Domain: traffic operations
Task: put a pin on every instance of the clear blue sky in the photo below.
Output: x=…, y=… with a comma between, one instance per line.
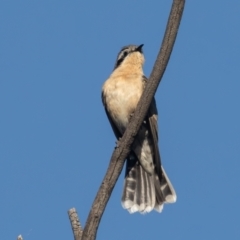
x=56, y=142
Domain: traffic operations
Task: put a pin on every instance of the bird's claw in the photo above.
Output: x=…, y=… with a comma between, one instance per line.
x=131, y=115
x=118, y=142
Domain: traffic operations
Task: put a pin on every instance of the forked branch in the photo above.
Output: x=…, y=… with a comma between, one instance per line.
x=75, y=223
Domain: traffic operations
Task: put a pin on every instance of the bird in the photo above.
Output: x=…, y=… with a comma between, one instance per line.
x=146, y=184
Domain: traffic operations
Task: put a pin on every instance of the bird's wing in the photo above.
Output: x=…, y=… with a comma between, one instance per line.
x=167, y=193
x=114, y=127
x=153, y=127
x=151, y=118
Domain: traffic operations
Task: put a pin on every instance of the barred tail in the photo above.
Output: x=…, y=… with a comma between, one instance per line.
x=144, y=192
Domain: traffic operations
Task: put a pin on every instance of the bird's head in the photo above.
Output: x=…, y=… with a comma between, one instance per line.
x=130, y=55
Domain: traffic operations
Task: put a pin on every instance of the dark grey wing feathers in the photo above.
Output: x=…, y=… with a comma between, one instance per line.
x=152, y=119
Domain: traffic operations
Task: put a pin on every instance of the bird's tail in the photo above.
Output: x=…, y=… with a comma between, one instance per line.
x=143, y=192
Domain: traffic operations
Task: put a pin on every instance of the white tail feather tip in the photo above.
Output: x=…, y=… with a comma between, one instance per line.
x=159, y=208
x=171, y=198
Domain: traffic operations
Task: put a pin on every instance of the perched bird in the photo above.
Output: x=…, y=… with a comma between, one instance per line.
x=146, y=185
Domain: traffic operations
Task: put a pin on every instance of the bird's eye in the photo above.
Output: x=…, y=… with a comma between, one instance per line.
x=125, y=53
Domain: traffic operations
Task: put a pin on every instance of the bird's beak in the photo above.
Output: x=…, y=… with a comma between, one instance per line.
x=139, y=48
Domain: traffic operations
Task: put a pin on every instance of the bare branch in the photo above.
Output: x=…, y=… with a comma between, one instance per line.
x=122, y=151
x=75, y=223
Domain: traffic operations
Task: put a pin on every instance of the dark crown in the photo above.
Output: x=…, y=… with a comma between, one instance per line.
x=125, y=51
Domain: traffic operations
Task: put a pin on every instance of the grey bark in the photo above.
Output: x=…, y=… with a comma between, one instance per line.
x=75, y=223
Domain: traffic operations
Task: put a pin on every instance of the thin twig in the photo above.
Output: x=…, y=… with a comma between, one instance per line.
x=75, y=223
x=122, y=151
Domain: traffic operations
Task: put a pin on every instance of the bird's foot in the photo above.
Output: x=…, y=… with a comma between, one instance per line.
x=118, y=142
x=130, y=116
